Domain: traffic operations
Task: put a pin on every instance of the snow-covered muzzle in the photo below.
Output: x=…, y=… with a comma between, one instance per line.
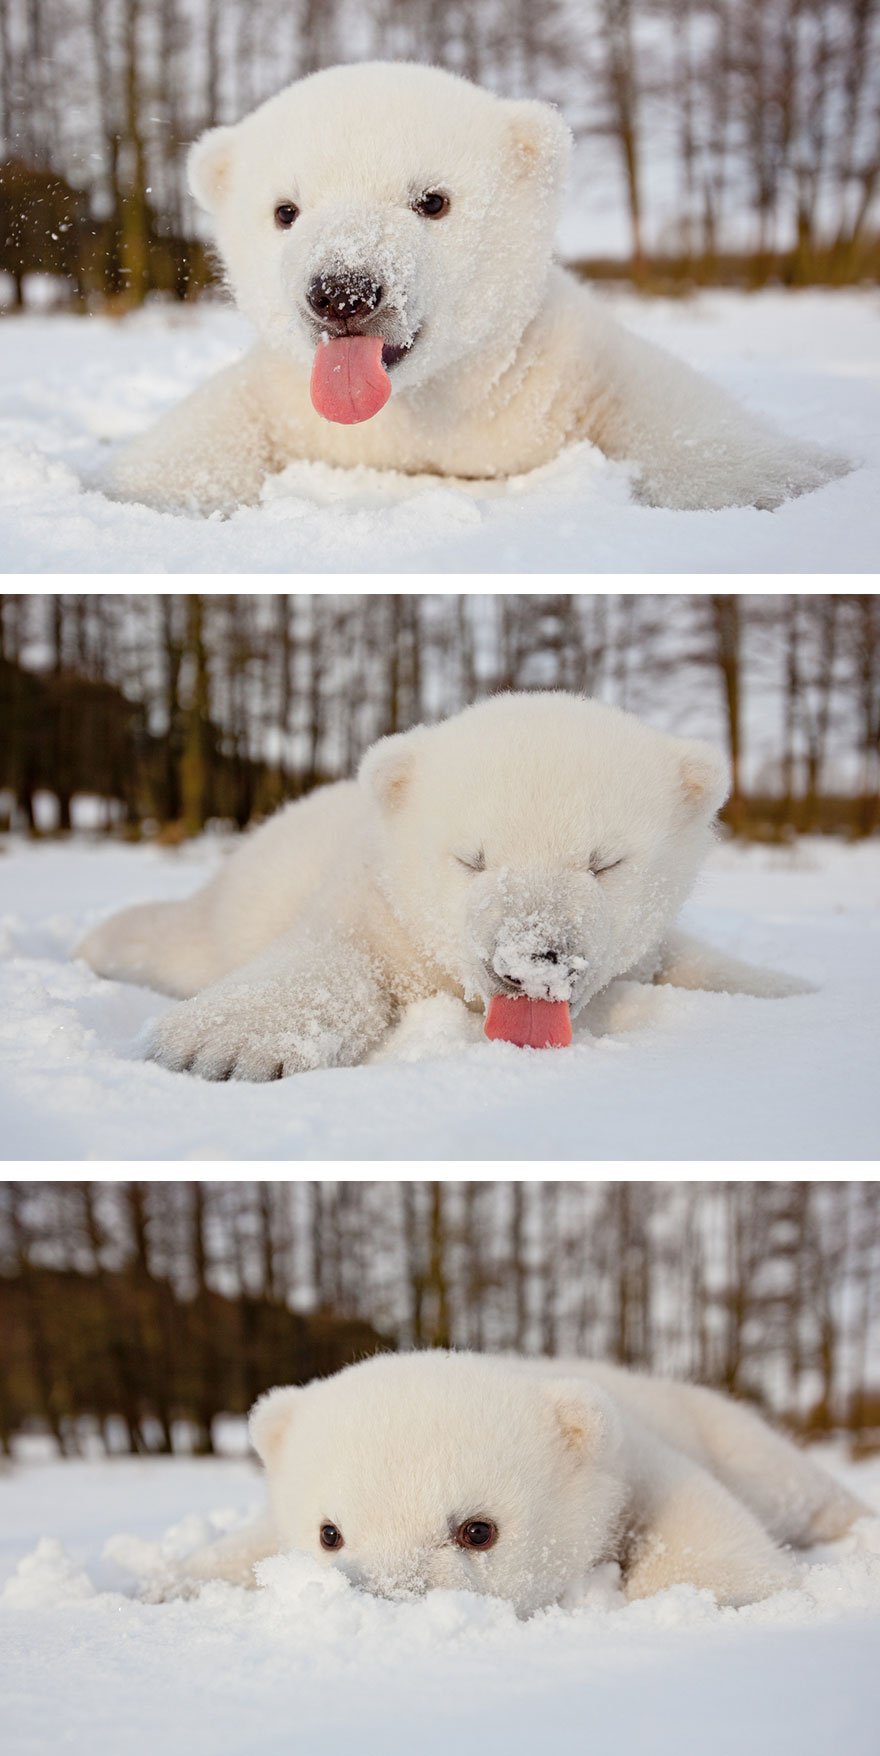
x=351, y=282
x=355, y=247
x=394, y=1577
x=536, y=934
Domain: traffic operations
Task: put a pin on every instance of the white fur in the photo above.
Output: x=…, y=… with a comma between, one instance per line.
x=577, y=1464
x=513, y=359
x=348, y=905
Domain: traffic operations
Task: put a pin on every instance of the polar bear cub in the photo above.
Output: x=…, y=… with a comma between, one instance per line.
x=388, y=229
x=518, y=1477
x=534, y=845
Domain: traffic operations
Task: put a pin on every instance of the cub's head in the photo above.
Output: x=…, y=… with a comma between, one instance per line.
x=540, y=845
x=421, y=1470
x=385, y=201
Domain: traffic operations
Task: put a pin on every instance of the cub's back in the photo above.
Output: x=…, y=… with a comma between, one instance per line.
x=280, y=867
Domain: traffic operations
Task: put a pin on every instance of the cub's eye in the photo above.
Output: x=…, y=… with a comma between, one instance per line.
x=476, y=1533
x=598, y=870
x=285, y=214
x=431, y=205
x=472, y=863
x=331, y=1537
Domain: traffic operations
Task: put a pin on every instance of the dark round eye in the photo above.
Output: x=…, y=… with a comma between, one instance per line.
x=476, y=1533
x=431, y=205
x=331, y=1538
x=285, y=214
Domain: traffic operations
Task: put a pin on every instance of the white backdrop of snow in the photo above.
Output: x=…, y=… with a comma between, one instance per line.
x=307, y=1663
x=676, y=1074
x=70, y=387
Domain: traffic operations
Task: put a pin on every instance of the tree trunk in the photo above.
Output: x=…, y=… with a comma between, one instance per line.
x=437, y=1284
x=134, y=247
x=194, y=774
x=726, y=615
x=206, y=1365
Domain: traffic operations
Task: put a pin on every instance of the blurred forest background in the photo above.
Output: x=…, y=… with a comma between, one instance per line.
x=718, y=140
x=162, y=713
x=137, y=1313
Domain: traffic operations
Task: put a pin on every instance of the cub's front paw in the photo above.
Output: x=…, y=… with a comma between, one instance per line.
x=243, y=1033
x=787, y=478
x=712, y=478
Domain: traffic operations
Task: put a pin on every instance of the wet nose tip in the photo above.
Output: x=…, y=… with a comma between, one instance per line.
x=549, y=956
x=341, y=297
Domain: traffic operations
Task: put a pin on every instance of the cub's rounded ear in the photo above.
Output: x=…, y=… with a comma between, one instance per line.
x=703, y=778
x=209, y=167
x=386, y=768
x=588, y=1423
x=270, y=1419
x=540, y=140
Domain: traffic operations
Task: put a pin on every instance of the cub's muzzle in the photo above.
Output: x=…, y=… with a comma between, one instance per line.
x=546, y=973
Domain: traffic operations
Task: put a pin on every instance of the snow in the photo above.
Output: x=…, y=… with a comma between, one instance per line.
x=307, y=1663
x=72, y=386
x=675, y=1074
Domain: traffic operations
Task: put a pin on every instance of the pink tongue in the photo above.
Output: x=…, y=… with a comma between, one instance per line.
x=531, y=1024
x=349, y=381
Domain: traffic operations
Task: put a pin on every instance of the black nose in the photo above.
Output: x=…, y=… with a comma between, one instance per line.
x=550, y=956
x=336, y=298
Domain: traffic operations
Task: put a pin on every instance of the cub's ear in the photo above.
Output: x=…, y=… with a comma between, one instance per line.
x=269, y=1420
x=540, y=141
x=209, y=167
x=703, y=778
x=386, y=769
x=588, y=1423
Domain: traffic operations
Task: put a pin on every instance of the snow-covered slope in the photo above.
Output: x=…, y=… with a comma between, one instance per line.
x=70, y=387
x=676, y=1074
x=308, y=1665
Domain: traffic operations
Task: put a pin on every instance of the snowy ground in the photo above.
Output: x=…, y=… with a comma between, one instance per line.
x=676, y=1074
x=309, y=1665
x=70, y=387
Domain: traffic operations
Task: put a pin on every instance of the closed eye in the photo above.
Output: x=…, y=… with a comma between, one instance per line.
x=610, y=866
x=472, y=862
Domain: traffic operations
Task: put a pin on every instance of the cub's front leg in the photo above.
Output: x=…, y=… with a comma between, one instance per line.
x=696, y=449
x=688, y=963
x=231, y=1559
x=210, y=453
x=306, y=1002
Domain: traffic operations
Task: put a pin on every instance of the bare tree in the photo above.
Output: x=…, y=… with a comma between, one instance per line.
x=621, y=90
